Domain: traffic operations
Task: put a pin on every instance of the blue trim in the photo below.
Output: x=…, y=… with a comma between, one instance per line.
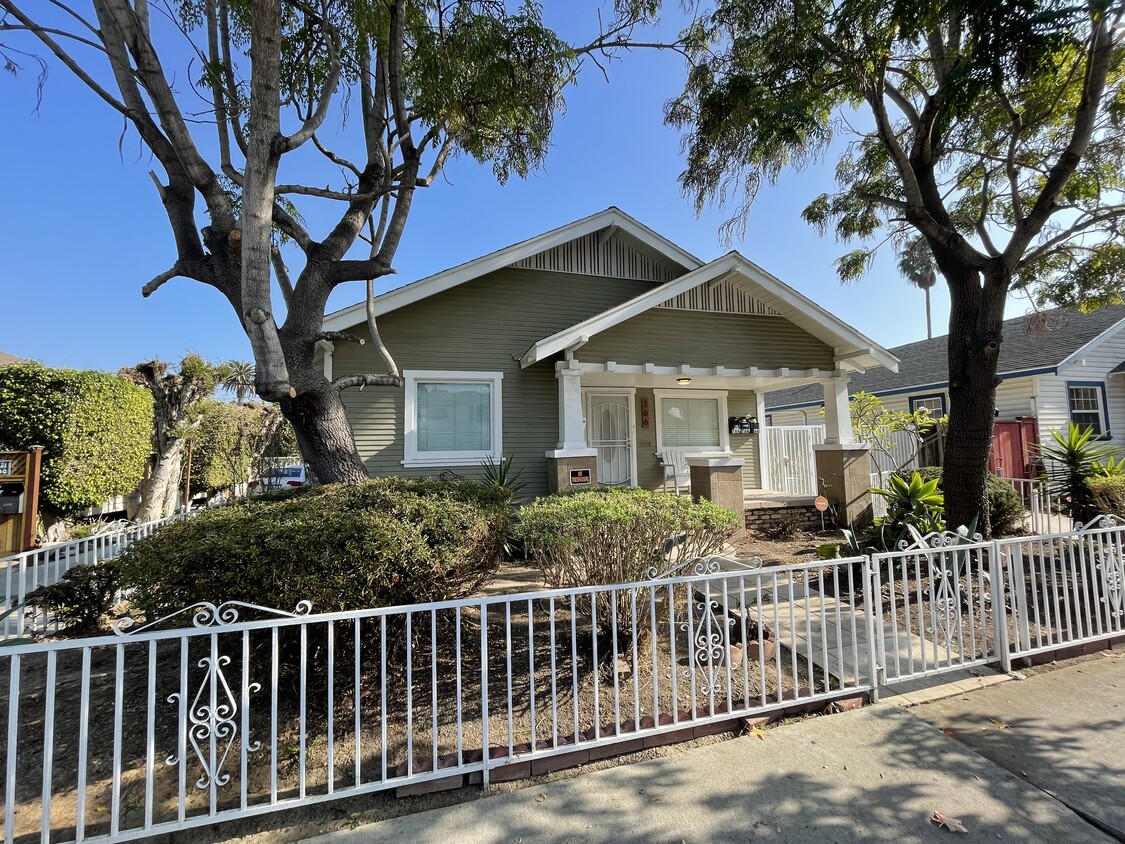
x=1106, y=434
x=914, y=399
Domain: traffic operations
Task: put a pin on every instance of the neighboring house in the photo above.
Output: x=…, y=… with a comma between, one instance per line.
x=6, y=359
x=593, y=353
x=1055, y=367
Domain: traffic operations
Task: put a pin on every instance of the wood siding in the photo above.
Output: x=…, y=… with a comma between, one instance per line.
x=485, y=325
x=672, y=337
x=1053, y=401
x=617, y=257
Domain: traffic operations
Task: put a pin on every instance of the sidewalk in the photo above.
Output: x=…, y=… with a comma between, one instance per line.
x=1063, y=731
x=875, y=774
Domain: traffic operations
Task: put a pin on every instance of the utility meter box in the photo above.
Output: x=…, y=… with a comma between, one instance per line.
x=19, y=499
x=11, y=498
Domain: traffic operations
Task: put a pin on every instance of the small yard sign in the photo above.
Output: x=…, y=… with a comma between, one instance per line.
x=821, y=503
x=5, y=467
x=579, y=477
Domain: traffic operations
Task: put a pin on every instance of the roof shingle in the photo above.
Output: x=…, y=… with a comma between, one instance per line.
x=1034, y=341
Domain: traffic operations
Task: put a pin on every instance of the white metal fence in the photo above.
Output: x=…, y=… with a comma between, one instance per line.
x=23, y=573
x=244, y=710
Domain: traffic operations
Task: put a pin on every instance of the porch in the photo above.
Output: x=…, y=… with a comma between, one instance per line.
x=695, y=430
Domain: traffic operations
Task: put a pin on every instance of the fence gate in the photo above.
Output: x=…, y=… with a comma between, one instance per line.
x=943, y=607
x=792, y=463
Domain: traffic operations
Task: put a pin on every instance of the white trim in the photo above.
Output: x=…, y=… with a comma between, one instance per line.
x=849, y=344
x=446, y=279
x=411, y=456
x=328, y=348
x=1089, y=347
x=631, y=393
x=763, y=448
x=724, y=432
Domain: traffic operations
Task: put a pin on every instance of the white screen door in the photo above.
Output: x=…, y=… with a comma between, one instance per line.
x=609, y=429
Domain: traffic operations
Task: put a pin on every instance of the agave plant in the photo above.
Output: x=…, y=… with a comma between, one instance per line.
x=1074, y=457
x=915, y=507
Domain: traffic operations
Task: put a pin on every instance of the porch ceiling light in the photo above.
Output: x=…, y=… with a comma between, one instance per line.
x=683, y=380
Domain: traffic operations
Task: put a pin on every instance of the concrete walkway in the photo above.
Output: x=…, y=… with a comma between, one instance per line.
x=875, y=774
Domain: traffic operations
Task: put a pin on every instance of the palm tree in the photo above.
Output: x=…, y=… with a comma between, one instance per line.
x=916, y=263
x=238, y=378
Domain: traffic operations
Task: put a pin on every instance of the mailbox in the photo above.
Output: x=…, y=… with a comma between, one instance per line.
x=11, y=498
x=19, y=499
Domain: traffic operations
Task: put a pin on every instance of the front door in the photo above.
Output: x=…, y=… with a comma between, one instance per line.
x=609, y=429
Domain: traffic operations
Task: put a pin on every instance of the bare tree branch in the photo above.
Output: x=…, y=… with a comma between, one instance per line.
x=158, y=282
x=348, y=381
x=333, y=336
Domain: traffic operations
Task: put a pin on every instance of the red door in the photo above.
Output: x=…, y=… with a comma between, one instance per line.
x=1013, y=447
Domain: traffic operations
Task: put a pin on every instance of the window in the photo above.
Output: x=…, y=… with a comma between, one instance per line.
x=1087, y=406
x=934, y=403
x=451, y=418
x=692, y=419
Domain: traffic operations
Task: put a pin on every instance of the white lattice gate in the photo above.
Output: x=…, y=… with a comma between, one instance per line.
x=792, y=463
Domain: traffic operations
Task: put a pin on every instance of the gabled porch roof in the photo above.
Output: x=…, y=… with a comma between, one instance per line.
x=852, y=349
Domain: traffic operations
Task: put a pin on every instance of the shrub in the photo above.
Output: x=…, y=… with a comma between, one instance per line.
x=1109, y=494
x=95, y=429
x=82, y=597
x=1006, y=510
x=616, y=535
x=385, y=542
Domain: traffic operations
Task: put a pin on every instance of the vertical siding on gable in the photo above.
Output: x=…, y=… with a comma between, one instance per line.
x=484, y=325
x=616, y=257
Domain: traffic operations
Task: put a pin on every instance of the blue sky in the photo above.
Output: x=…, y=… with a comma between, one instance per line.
x=81, y=229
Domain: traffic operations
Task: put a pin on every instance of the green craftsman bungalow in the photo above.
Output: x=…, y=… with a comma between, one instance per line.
x=601, y=353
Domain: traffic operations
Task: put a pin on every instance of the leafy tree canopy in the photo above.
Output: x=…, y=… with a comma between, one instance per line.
x=992, y=127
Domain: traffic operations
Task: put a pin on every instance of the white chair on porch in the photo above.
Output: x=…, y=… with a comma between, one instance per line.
x=676, y=471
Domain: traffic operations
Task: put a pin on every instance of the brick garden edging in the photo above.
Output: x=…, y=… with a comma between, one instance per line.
x=539, y=766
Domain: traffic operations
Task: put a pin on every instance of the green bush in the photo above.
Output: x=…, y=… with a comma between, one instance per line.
x=81, y=598
x=615, y=535
x=1006, y=509
x=95, y=429
x=1109, y=494
x=385, y=542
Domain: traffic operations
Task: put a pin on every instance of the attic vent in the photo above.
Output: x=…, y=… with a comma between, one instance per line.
x=595, y=254
x=720, y=298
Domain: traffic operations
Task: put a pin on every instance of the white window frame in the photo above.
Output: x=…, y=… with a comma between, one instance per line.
x=411, y=456
x=724, y=431
x=1099, y=390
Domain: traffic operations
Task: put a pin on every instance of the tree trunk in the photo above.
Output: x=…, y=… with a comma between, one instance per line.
x=323, y=432
x=929, y=321
x=158, y=490
x=976, y=322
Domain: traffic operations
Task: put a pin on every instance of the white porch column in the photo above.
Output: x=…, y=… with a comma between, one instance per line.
x=837, y=412
x=572, y=417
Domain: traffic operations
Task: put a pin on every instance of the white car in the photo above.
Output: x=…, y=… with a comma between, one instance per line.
x=276, y=480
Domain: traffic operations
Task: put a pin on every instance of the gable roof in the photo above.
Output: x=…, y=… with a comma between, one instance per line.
x=1033, y=344
x=6, y=359
x=850, y=345
x=611, y=218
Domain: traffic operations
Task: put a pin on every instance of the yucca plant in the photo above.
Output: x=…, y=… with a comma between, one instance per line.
x=1110, y=469
x=1072, y=458
x=503, y=475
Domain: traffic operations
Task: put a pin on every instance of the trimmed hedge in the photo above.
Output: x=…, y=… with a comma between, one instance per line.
x=615, y=535
x=386, y=542
x=1005, y=506
x=95, y=429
